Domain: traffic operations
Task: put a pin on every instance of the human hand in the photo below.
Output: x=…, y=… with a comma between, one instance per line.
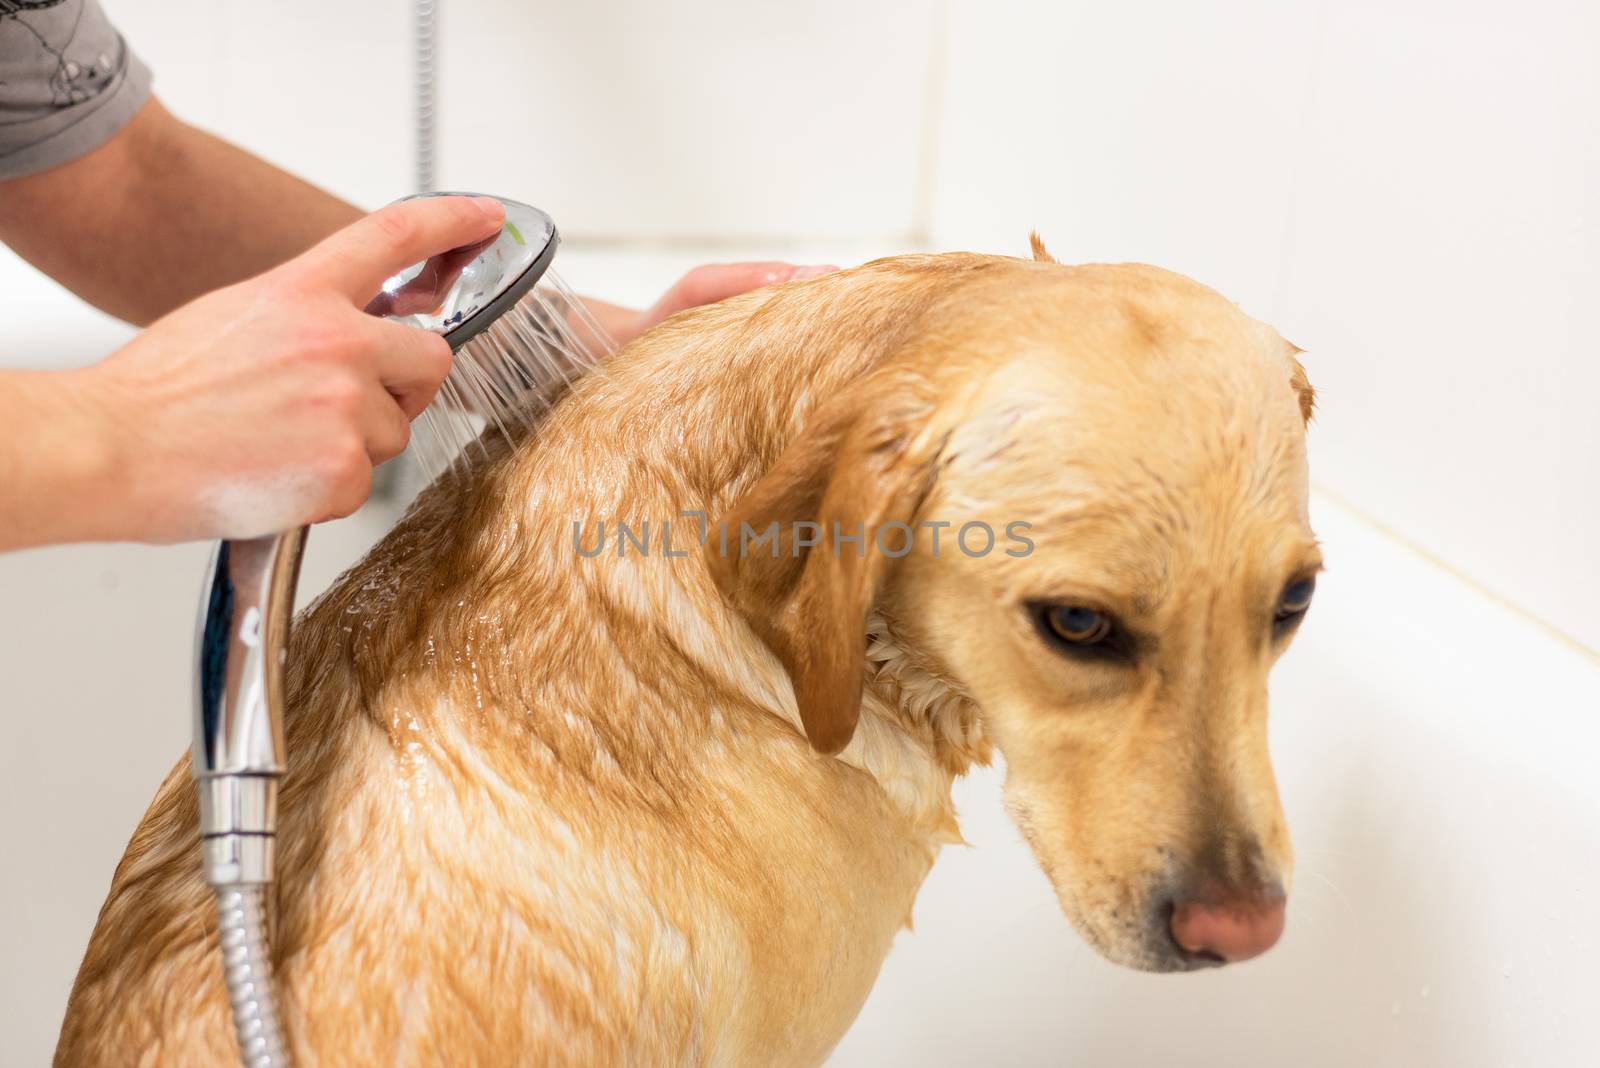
x=265, y=405
x=706, y=284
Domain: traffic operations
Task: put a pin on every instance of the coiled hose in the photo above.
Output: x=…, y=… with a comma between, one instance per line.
x=247, y=972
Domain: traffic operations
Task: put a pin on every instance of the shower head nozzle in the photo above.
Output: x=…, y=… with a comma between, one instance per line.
x=461, y=292
x=517, y=331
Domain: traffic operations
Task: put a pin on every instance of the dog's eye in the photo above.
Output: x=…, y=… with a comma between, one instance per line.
x=1077, y=625
x=1293, y=602
x=1082, y=633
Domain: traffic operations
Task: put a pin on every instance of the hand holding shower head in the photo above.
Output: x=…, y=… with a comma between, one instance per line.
x=459, y=293
x=510, y=338
x=484, y=294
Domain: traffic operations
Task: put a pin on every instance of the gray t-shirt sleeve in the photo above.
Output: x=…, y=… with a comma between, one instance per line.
x=67, y=83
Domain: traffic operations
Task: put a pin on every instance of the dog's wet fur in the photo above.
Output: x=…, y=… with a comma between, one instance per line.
x=549, y=808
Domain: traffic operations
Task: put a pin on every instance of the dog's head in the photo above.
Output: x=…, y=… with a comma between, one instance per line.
x=1117, y=456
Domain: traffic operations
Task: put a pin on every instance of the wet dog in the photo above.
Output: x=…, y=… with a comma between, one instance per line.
x=632, y=743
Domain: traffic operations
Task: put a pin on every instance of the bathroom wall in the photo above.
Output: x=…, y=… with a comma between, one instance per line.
x=1407, y=189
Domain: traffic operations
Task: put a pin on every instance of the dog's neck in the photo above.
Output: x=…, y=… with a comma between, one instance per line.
x=917, y=732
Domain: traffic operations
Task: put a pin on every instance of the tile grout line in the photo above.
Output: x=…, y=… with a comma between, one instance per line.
x=934, y=90
x=1550, y=629
x=702, y=244
x=1311, y=93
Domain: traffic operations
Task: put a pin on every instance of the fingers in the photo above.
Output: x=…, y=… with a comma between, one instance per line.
x=620, y=324
x=706, y=284
x=385, y=427
x=355, y=261
x=713, y=282
x=348, y=488
x=410, y=364
x=719, y=281
x=428, y=288
x=362, y=427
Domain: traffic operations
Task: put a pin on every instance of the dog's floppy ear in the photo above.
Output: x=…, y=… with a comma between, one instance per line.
x=863, y=461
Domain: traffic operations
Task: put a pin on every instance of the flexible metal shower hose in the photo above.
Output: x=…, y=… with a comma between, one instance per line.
x=241, y=919
x=247, y=972
x=426, y=31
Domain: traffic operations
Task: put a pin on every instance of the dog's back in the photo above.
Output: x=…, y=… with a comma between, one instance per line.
x=532, y=813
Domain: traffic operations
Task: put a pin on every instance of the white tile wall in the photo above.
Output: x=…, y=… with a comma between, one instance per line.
x=1157, y=132
x=321, y=89
x=627, y=120
x=632, y=120
x=1406, y=189
x=1443, y=268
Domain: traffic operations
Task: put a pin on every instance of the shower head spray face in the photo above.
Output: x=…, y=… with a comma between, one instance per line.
x=459, y=293
x=514, y=340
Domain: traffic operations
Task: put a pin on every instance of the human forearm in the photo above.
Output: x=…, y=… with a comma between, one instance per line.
x=160, y=214
x=57, y=469
x=229, y=418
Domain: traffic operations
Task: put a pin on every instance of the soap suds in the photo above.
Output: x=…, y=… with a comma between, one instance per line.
x=251, y=508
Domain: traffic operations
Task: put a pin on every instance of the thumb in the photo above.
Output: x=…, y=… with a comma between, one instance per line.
x=358, y=259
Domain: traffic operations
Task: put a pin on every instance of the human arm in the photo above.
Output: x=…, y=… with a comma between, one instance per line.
x=161, y=213
x=231, y=417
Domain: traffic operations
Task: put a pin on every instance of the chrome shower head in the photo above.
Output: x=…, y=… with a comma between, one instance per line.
x=461, y=292
x=512, y=337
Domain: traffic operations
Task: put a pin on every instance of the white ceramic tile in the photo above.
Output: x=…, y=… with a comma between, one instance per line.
x=1404, y=189
x=721, y=119
x=323, y=90
x=1443, y=275
x=185, y=45
x=1156, y=132
x=727, y=121
x=1436, y=766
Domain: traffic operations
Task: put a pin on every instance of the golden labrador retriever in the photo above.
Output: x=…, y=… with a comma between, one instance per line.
x=632, y=743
